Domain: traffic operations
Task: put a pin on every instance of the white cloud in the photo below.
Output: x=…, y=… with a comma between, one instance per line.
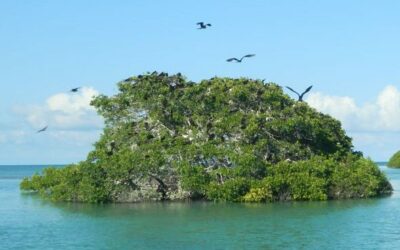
x=73, y=127
x=72, y=103
x=374, y=126
x=64, y=111
x=380, y=146
x=382, y=115
x=389, y=108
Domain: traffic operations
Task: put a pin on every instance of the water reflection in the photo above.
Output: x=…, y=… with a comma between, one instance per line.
x=208, y=209
x=28, y=221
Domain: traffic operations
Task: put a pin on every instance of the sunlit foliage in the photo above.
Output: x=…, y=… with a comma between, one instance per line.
x=394, y=161
x=221, y=139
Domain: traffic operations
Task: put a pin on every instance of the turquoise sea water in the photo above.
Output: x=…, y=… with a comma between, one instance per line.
x=26, y=222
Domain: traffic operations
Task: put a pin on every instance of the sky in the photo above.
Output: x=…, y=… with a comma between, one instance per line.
x=348, y=50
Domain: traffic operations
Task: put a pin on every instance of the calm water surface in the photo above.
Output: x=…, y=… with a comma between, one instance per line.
x=27, y=222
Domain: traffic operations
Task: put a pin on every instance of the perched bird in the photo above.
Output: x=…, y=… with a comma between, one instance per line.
x=173, y=84
x=300, y=95
x=75, y=89
x=203, y=25
x=239, y=60
x=42, y=130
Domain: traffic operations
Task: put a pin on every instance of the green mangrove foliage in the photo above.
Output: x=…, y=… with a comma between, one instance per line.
x=223, y=139
x=394, y=161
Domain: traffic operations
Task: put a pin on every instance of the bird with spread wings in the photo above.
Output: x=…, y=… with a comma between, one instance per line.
x=203, y=25
x=74, y=90
x=42, y=129
x=300, y=95
x=239, y=60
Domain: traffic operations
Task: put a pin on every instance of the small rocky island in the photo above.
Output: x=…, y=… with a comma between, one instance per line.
x=223, y=139
x=394, y=161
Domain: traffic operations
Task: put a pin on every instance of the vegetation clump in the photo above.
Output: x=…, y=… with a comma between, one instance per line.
x=394, y=161
x=223, y=139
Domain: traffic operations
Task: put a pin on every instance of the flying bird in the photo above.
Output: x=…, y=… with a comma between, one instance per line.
x=300, y=95
x=74, y=90
x=42, y=130
x=239, y=60
x=203, y=25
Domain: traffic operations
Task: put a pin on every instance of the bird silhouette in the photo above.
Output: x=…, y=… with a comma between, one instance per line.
x=300, y=95
x=203, y=25
x=74, y=90
x=239, y=60
x=42, y=130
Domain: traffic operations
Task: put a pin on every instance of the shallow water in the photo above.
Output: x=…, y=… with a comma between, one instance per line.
x=26, y=222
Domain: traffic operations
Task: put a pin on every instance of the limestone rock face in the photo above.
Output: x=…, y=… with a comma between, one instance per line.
x=146, y=190
x=150, y=189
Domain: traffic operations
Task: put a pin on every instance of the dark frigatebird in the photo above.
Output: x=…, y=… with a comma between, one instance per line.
x=42, y=130
x=300, y=95
x=239, y=60
x=203, y=25
x=74, y=90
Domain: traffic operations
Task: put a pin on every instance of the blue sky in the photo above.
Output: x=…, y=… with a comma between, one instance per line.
x=346, y=49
